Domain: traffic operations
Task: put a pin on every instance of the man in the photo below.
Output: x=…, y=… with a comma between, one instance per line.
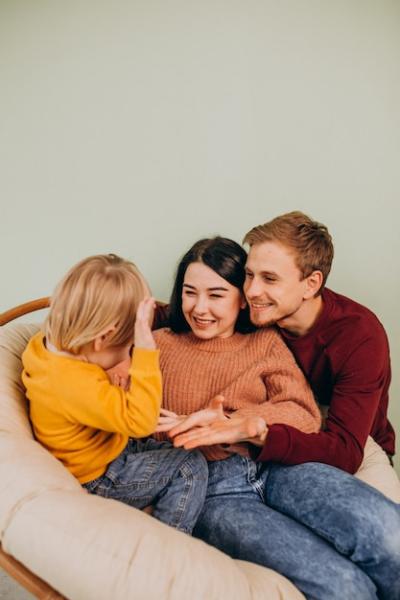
x=343, y=350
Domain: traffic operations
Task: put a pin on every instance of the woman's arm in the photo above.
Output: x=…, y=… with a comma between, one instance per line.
x=289, y=398
x=289, y=401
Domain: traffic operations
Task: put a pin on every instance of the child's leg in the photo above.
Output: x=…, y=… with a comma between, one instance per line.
x=151, y=472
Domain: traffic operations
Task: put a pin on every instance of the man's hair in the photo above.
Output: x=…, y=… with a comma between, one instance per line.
x=309, y=240
x=97, y=293
x=227, y=259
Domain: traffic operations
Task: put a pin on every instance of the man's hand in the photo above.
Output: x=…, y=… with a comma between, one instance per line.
x=228, y=431
x=213, y=413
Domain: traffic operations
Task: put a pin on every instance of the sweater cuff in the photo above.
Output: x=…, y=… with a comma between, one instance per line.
x=145, y=360
x=276, y=445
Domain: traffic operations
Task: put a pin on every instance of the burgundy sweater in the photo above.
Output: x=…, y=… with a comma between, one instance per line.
x=345, y=357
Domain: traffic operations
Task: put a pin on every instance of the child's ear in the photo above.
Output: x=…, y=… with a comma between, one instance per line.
x=101, y=341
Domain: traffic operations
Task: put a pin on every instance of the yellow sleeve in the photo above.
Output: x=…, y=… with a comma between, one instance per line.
x=93, y=401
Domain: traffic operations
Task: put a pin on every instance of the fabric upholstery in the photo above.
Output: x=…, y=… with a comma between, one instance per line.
x=90, y=548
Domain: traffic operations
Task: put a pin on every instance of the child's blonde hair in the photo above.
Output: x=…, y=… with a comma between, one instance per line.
x=97, y=293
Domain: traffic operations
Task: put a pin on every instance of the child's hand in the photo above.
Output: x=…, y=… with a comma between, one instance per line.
x=119, y=374
x=144, y=318
x=168, y=419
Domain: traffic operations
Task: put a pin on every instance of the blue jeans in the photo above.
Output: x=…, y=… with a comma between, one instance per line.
x=332, y=535
x=150, y=472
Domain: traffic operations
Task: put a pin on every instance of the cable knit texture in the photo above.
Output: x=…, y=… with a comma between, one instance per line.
x=256, y=374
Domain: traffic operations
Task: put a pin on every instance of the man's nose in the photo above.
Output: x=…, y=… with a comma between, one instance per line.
x=252, y=288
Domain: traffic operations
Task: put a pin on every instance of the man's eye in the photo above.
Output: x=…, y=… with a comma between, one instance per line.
x=269, y=279
x=188, y=293
x=216, y=296
x=249, y=275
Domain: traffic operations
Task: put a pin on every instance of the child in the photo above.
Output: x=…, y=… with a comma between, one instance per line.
x=97, y=312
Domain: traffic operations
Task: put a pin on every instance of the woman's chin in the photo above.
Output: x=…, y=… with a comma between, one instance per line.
x=204, y=334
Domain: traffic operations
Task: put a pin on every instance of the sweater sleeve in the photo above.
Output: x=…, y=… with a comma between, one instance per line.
x=289, y=399
x=97, y=403
x=354, y=403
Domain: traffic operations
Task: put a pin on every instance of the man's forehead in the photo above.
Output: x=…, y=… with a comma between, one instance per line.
x=270, y=256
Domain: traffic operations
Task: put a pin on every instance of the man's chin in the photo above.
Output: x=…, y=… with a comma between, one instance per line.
x=262, y=320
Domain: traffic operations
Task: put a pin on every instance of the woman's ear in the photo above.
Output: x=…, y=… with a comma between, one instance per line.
x=243, y=302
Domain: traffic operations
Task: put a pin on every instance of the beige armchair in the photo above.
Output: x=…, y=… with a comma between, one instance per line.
x=61, y=542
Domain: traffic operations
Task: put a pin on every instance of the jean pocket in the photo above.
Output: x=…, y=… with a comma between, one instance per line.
x=133, y=469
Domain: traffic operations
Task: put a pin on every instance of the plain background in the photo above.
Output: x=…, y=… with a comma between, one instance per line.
x=139, y=127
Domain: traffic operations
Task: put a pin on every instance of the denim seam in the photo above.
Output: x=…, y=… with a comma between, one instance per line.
x=179, y=512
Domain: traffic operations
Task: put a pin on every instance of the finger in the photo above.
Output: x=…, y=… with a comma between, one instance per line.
x=194, y=420
x=167, y=413
x=202, y=438
x=164, y=420
x=217, y=402
x=165, y=428
x=148, y=307
x=115, y=379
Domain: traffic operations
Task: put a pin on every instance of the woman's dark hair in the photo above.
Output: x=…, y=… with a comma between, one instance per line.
x=227, y=259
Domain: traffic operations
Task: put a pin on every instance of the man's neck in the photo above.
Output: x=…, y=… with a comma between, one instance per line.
x=302, y=321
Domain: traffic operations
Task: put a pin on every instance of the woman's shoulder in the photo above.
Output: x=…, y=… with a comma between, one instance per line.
x=267, y=334
x=165, y=336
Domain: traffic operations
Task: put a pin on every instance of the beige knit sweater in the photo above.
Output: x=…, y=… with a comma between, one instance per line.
x=256, y=373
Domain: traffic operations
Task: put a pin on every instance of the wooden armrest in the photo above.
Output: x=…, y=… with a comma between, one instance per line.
x=28, y=580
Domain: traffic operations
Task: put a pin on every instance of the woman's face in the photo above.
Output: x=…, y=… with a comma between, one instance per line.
x=210, y=304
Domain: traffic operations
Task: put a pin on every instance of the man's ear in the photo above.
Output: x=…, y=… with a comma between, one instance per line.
x=314, y=282
x=101, y=341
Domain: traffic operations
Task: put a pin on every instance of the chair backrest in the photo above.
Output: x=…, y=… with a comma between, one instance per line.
x=24, y=309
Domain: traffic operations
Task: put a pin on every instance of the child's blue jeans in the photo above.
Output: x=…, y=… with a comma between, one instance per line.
x=146, y=472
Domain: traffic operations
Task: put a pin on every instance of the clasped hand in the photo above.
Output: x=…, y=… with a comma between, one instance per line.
x=211, y=426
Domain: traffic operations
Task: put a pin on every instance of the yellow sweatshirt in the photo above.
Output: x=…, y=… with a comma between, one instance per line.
x=77, y=414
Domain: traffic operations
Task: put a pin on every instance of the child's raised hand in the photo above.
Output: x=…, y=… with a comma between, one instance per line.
x=144, y=318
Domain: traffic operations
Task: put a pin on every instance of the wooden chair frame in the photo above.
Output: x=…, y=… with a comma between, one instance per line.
x=31, y=582
x=24, y=309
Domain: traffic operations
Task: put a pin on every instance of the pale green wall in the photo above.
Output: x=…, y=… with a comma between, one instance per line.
x=138, y=127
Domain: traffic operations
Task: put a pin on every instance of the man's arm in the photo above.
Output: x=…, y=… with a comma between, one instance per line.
x=355, y=400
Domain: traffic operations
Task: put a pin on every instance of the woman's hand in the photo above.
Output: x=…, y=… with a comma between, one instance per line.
x=144, y=318
x=167, y=420
x=214, y=412
x=229, y=431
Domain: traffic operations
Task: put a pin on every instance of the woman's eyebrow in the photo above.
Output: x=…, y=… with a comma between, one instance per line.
x=210, y=289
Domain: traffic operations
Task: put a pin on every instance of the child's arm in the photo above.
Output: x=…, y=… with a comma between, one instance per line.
x=97, y=403
x=119, y=374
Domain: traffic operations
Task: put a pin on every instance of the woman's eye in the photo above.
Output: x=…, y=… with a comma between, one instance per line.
x=249, y=275
x=216, y=296
x=188, y=293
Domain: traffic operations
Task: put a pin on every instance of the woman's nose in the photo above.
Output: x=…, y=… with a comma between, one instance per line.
x=201, y=305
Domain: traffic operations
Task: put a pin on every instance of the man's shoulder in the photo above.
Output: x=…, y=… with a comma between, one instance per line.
x=345, y=316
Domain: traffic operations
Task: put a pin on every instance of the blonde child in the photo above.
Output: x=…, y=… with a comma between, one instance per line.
x=98, y=311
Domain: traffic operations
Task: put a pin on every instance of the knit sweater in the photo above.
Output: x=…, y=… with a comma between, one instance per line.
x=77, y=414
x=255, y=373
x=345, y=357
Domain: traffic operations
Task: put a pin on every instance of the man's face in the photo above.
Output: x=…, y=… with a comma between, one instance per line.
x=274, y=288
